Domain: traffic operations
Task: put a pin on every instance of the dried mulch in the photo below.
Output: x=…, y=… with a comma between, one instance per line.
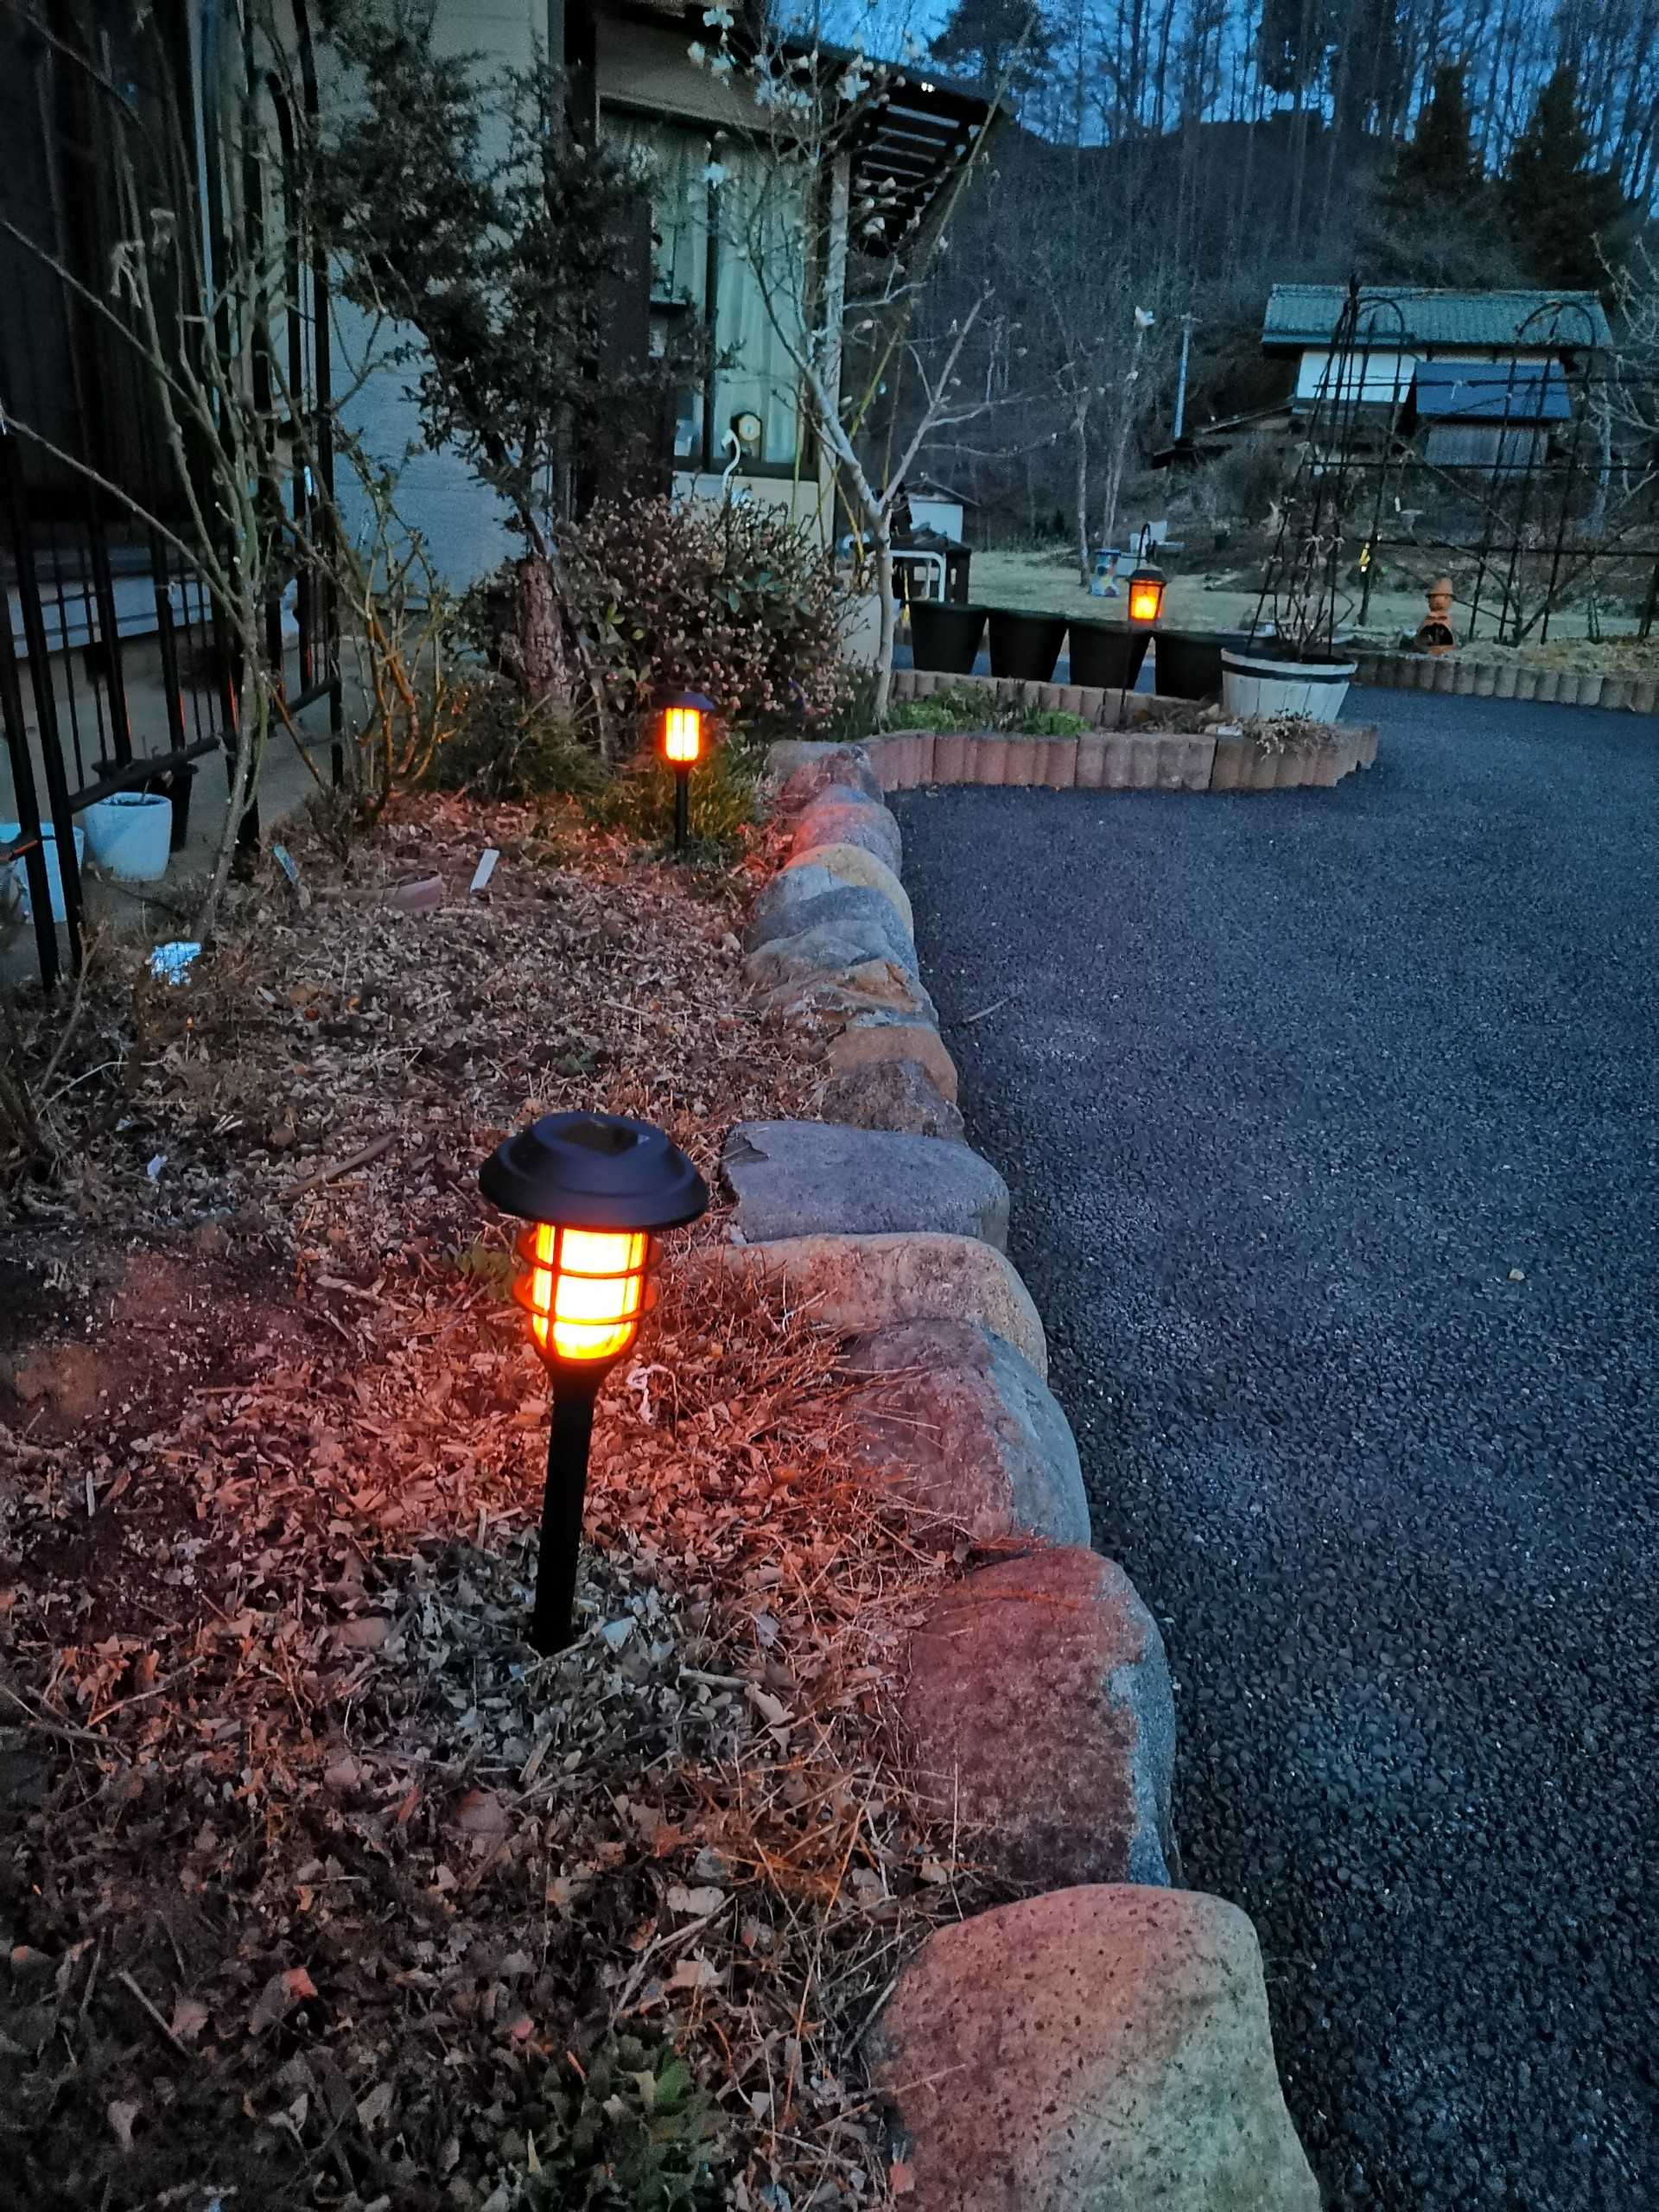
x=318, y=1888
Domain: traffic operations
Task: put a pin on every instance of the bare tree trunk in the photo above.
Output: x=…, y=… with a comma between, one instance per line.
x=538, y=633
x=253, y=729
x=1596, y=522
x=882, y=541
x=1080, y=432
x=1113, y=487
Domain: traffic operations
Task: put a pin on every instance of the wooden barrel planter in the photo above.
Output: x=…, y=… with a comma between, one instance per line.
x=944, y=637
x=1106, y=656
x=1026, y=646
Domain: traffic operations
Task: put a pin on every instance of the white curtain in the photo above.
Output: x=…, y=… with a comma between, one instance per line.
x=760, y=303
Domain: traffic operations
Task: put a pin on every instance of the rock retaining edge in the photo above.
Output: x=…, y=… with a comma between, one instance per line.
x=1104, y=2044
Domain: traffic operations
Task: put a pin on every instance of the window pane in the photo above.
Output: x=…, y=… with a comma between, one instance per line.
x=675, y=163
x=759, y=302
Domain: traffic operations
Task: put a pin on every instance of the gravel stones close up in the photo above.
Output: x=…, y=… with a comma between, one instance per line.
x=1356, y=1337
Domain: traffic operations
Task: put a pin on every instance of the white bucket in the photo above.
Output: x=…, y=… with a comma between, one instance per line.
x=1253, y=685
x=17, y=873
x=130, y=834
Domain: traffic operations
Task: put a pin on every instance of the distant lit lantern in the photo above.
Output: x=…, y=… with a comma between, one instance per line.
x=1146, y=593
x=684, y=715
x=1145, y=605
x=594, y=1188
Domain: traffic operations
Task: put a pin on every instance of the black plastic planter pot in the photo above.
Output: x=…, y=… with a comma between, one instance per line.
x=1188, y=665
x=944, y=637
x=179, y=791
x=1025, y=646
x=1106, y=656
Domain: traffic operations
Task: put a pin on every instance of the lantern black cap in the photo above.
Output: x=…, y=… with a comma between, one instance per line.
x=593, y=1171
x=703, y=704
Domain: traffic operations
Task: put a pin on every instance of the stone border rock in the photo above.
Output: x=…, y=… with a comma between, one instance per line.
x=1103, y=2044
x=1107, y=759
x=1453, y=677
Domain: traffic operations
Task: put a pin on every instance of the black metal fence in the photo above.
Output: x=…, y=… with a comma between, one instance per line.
x=1530, y=476
x=117, y=672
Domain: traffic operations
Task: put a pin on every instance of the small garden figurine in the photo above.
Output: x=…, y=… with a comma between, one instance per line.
x=1434, y=633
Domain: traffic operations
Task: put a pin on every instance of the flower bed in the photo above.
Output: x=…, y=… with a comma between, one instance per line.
x=1207, y=755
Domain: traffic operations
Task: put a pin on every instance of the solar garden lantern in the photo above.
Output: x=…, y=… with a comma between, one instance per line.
x=1146, y=586
x=1145, y=605
x=593, y=1188
x=684, y=714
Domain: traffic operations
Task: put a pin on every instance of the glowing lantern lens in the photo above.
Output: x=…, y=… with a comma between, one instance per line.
x=585, y=1292
x=683, y=734
x=1146, y=598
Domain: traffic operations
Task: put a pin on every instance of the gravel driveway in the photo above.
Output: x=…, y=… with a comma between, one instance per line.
x=1332, y=1124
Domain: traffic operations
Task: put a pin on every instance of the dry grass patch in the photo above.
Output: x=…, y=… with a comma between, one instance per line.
x=320, y=1888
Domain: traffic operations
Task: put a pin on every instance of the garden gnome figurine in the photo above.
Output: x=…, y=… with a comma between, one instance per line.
x=1435, y=634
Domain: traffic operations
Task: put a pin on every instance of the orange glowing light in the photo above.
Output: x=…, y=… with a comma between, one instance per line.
x=585, y=1292
x=683, y=734
x=1146, y=598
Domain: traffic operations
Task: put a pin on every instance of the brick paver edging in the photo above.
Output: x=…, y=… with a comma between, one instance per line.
x=1105, y=759
x=1476, y=679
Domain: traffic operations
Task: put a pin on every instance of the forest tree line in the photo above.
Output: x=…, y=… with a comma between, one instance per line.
x=1172, y=159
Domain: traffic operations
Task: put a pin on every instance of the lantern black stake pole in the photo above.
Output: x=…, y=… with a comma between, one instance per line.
x=682, y=809
x=553, y=1624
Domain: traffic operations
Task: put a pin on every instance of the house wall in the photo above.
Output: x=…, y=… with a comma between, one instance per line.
x=646, y=66
x=1382, y=368
x=641, y=65
x=463, y=524
x=930, y=513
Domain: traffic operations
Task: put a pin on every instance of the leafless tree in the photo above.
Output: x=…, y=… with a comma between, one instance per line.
x=841, y=264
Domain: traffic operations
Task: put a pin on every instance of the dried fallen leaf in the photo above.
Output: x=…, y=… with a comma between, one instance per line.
x=772, y=1710
x=365, y=1635
x=695, y=1904
x=121, y=2117
x=696, y=1973
x=189, y=2018
x=373, y=2108
x=279, y=1997
x=481, y=1816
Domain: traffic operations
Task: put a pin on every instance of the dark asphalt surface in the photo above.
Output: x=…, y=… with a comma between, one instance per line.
x=1286, y=1088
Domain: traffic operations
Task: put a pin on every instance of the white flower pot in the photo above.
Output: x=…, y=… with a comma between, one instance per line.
x=17, y=874
x=130, y=834
x=1254, y=685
